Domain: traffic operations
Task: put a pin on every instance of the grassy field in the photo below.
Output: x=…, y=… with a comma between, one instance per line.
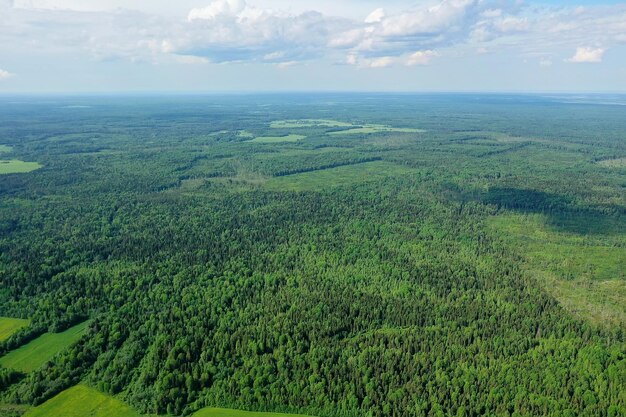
x=291, y=124
x=82, y=401
x=227, y=412
x=14, y=166
x=278, y=139
x=343, y=175
x=374, y=128
x=586, y=273
x=245, y=134
x=613, y=163
x=5, y=149
x=9, y=325
x=35, y=353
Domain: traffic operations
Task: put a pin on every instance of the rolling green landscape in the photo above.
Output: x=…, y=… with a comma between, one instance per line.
x=328, y=255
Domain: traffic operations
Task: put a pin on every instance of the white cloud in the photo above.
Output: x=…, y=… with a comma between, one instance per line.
x=4, y=74
x=240, y=31
x=217, y=9
x=429, y=20
x=352, y=59
x=587, y=55
x=382, y=62
x=490, y=13
x=287, y=64
x=191, y=59
x=421, y=58
x=511, y=24
x=376, y=16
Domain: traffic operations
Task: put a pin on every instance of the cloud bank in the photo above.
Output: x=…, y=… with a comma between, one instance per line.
x=225, y=31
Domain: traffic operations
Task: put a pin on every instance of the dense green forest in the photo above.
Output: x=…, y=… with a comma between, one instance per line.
x=368, y=255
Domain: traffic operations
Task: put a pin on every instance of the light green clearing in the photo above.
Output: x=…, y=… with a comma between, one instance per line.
x=37, y=352
x=5, y=149
x=372, y=128
x=9, y=325
x=219, y=132
x=291, y=124
x=332, y=177
x=82, y=401
x=586, y=274
x=277, y=139
x=613, y=163
x=245, y=134
x=15, y=166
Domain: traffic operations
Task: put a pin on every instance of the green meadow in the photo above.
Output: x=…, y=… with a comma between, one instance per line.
x=613, y=163
x=245, y=134
x=9, y=325
x=586, y=274
x=294, y=124
x=32, y=355
x=82, y=401
x=375, y=128
x=5, y=149
x=338, y=176
x=278, y=139
x=15, y=166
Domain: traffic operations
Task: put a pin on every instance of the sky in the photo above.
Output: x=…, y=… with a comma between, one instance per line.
x=206, y=46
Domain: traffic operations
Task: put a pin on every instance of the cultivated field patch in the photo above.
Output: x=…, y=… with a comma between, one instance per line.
x=9, y=325
x=32, y=355
x=15, y=166
x=613, y=163
x=245, y=134
x=375, y=128
x=294, y=124
x=82, y=401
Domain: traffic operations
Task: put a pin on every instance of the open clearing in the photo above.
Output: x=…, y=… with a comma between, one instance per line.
x=586, y=274
x=5, y=149
x=374, y=128
x=613, y=163
x=331, y=177
x=245, y=134
x=278, y=139
x=294, y=124
x=82, y=401
x=37, y=352
x=9, y=325
x=15, y=166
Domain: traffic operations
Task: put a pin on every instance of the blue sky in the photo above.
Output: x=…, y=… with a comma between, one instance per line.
x=74, y=46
